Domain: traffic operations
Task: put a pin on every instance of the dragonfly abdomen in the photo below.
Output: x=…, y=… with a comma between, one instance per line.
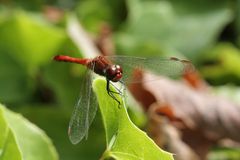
x=83, y=61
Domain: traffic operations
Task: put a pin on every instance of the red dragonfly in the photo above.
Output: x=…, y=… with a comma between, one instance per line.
x=114, y=69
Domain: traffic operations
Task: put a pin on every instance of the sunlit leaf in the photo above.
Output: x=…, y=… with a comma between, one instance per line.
x=124, y=139
x=20, y=139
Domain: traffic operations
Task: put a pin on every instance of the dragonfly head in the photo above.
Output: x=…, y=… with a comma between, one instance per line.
x=114, y=73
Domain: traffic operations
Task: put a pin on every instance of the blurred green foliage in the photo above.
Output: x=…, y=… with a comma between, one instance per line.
x=206, y=32
x=189, y=26
x=221, y=65
x=27, y=43
x=225, y=153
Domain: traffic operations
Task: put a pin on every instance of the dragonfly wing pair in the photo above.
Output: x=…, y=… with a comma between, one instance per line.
x=172, y=66
x=84, y=111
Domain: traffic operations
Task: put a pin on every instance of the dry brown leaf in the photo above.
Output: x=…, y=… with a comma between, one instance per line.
x=216, y=116
x=204, y=118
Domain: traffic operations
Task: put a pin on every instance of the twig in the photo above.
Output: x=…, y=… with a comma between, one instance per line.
x=81, y=38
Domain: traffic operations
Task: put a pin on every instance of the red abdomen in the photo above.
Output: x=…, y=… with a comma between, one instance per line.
x=83, y=61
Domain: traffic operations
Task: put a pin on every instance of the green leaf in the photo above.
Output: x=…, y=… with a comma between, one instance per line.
x=15, y=87
x=93, y=14
x=20, y=139
x=160, y=25
x=221, y=64
x=55, y=120
x=8, y=144
x=30, y=39
x=221, y=153
x=27, y=41
x=124, y=139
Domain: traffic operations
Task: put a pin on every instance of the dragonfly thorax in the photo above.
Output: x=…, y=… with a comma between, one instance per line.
x=113, y=73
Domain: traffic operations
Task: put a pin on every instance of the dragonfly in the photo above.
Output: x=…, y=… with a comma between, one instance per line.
x=114, y=69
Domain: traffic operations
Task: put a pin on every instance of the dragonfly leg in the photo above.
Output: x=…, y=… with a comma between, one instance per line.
x=118, y=90
x=123, y=88
x=111, y=93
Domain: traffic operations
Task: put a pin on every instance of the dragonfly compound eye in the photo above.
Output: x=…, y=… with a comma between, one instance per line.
x=114, y=73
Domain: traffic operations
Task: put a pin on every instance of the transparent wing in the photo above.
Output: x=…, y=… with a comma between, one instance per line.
x=172, y=66
x=84, y=111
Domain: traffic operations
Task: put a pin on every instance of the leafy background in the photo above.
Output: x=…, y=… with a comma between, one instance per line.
x=43, y=91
